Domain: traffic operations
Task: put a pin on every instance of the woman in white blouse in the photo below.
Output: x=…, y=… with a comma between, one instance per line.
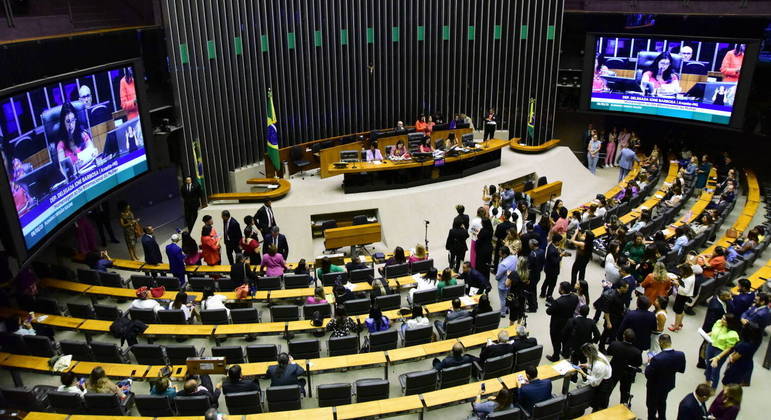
x=211, y=301
x=473, y=231
x=611, y=262
x=685, y=288
x=597, y=376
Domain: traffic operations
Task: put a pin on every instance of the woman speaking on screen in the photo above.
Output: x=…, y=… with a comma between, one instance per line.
x=660, y=79
x=74, y=144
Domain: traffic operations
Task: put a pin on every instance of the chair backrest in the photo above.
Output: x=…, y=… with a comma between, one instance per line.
x=360, y=219
x=550, y=409
x=66, y=402
x=458, y=328
x=103, y=404
x=282, y=398
x=198, y=284
x=107, y=312
x=138, y=281
x=338, y=346
x=361, y=275
x=578, y=401
x=335, y=277
x=110, y=279
x=106, y=352
x=232, y=354
x=497, y=366
x=21, y=399
x=245, y=315
x=397, y=270
x=170, y=283
x=422, y=266
x=334, y=394
x=372, y=389
x=456, y=375
x=145, y=315
x=79, y=350
x=171, y=316
x=81, y=310
x=269, y=283
x=284, y=313
x=179, y=353
x=486, y=321
x=324, y=309
x=154, y=405
x=425, y=297
x=420, y=382
x=192, y=406
x=214, y=316
x=48, y=306
x=383, y=340
x=243, y=403
x=262, y=352
x=420, y=335
x=296, y=281
x=357, y=306
x=39, y=345
x=452, y=292
x=510, y=414
x=88, y=276
x=305, y=349
x=148, y=354
x=389, y=302
x=529, y=357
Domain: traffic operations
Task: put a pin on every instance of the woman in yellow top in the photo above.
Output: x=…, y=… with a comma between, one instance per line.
x=723, y=337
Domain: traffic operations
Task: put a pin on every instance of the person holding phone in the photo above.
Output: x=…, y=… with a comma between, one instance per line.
x=504, y=400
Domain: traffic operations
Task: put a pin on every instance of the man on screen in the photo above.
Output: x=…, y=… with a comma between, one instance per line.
x=128, y=95
x=84, y=94
x=660, y=79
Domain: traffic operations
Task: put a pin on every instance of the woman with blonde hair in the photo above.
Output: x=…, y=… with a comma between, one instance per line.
x=512, y=241
x=419, y=255
x=129, y=224
x=98, y=383
x=598, y=373
x=657, y=284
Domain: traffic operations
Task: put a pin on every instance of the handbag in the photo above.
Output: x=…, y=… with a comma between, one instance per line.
x=157, y=292
x=731, y=233
x=137, y=229
x=242, y=291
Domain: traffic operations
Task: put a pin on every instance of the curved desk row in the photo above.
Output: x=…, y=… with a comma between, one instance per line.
x=282, y=187
x=695, y=211
x=523, y=148
x=745, y=218
x=613, y=191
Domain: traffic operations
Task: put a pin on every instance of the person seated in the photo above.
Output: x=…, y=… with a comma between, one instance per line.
x=496, y=348
x=355, y=264
x=98, y=383
x=534, y=390
x=273, y=263
x=399, y=152
x=341, y=325
x=318, y=297
x=426, y=146
x=417, y=320
x=210, y=301
x=286, y=372
x=376, y=321
x=661, y=78
x=425, y=282
x=21, y=325
x=455, y=358
x=447, y=279
x=399, y=127
x=380, y=287
x=342, y=294
x=327, y=267
x=69, y=384
x=457, y=312
x=193, y=388
x=163, y=387
x=522, y=340
x=726, y=198
x=302, y=267
x=103, y=262
x=235, y=382
x=373, y=154
x=143, y=301
x=421, y=125
x=501, y=402
x=483, y=306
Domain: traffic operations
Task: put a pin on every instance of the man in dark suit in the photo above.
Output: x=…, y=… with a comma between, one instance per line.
x=500, y=234
x=693, y=406
x=151, y=248
x=192, y=197
x=355, y=264
x=625, y=359
x=276, y=239
x=560, y=310
x=193, y=389
x=578, y=331
x=535, y=261
x=241, y=272
x=496, y=348
x=534, y=391
x=551, y=267
x=473, y=278
x=236, y=383
x=264, y=218
x=461, y=217
x=660, y=377
x=642, y=322
x=611, y=303
x=232, y=235
x=522, y=340
x=176, y=260
x=456, y=358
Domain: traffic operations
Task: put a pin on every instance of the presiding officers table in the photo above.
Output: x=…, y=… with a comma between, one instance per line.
x=388, y=174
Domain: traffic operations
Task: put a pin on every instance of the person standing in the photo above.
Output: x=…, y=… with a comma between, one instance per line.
x=128, y=94
x=507, y=265
x=723, y=337
x=717, y=307
x=151, y=248
x=552, y=260
x=535, y=263
x=501, y=232
x=626, y=159
x=456, y=244
x=584, y=243
x=490, y=123
x=485, y=247
x=278, y=240
x=626, y=359
x=727, y=403
x=611, y=303
x=101, y=216
x=561, y=310
x=192, y=198
x=593, y=153
x=473, y=278
x=610, y=149
x=462, y=218
x=474, y=228
x=232, y=233
x=176, y=260
x=578, y=331
x=130, y=229
x=264, y=218
x=660, y=377
x=598, y=376
x=693, y=406
x=210, y=245
x=241, y=272
x=642, y=322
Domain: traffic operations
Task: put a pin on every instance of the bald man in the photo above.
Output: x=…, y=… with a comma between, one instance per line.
x=84, y=94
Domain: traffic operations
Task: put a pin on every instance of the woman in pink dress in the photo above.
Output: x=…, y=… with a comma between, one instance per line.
x=73, y=140
x=273, y=263
x=610, y=149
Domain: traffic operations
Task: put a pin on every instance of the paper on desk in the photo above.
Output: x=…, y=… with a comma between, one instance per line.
x=467, y=301
x=41, y=318
x=376, y=162
x=563, y=367
x=659, y=196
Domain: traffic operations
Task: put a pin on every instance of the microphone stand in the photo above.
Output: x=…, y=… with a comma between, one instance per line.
x=425, y=235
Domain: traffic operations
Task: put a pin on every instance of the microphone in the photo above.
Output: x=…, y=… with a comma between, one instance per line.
x=426, y=221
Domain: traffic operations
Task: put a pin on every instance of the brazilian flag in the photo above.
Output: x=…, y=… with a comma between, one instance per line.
x=272, y=143
x=531, y=121
x=198, y=157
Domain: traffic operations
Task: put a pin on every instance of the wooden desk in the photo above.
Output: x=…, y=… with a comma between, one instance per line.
x=322, y=413
x=58, y=321
x=613, y=191
x=341, y=362
x=352, y=235
x=523, y=148
x=284, y=186
x=261, y=368
x=460, y=393
x=177, y=371
x=380, y=407
x=742, y=222
x=114, y=370
x=18, y=361
x=92, y=417
x=544, y=193
x=255, y=328
x=479, y=339
x=617, y=412
x=420, y=351
x=69, y=286
x=35, y=415
x=182, y=329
